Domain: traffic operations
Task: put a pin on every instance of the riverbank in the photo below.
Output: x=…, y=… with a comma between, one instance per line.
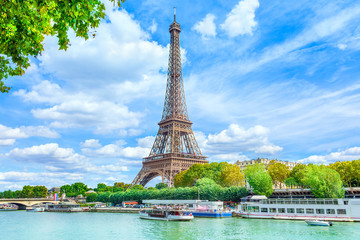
x=117, y=210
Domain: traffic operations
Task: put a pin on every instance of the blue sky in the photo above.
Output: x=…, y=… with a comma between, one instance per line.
x=273, y=79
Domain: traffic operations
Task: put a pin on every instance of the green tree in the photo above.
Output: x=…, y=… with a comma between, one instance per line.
x=24, y=25
x=68, y=190
x=298, y=173
x=101, y=187
x=324, y=182
x=137, y=187
x=40, y=191
x=79, y=188
x=91, y=197
x=259, y=179
x=349, y=172
x=278, y=172
x=27, y=192
x=231, y=175
x=161, y=185
x=291, y=182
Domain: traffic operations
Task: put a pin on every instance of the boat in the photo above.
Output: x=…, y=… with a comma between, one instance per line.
x=347, y=210
x=64, y=207
x=165, y=215
x=198, y=208
x=209, y=209
x=8, y=207
x=35, y=209
x=318, y=223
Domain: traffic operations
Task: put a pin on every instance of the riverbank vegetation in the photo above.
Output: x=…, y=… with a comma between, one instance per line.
x=26, y=192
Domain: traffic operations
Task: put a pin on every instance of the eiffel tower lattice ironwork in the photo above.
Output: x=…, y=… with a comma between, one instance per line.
x=175, y=148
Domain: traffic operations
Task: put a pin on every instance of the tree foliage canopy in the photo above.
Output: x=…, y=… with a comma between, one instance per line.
x=259, y=179
x=324, y=182
x=278, y=172
x=24, y=25
x=349, y=172
x=223, y=173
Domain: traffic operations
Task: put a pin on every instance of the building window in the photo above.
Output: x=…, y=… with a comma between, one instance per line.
x=330, y=211
x=310, y=210
x=320, y=211
x=281, y=210
x=341, y=211
x=264, y=210
x=290, y=210
x=299, y=210
x=272, y=210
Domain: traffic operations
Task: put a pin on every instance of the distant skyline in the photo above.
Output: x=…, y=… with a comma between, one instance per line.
x=268, y=79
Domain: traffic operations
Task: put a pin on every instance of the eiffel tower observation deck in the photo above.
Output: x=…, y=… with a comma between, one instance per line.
x=175, y=148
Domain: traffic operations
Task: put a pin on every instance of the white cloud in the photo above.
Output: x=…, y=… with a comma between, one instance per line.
x=118, y=150
x=231, y=157
x=346, y=155
x=238, y=139
x=241, y=19
x=9, y=135
x=206, y=27
x=91, y=143
x=231, y=143
x=120, y=51
x=153, y=26
x=72, y=110
x=342, y=46
x=57, y=159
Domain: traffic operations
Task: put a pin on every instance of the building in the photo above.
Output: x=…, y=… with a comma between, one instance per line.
x=54, y=190
x=265, y=161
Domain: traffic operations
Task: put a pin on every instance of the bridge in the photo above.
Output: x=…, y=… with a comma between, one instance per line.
x=26, y=202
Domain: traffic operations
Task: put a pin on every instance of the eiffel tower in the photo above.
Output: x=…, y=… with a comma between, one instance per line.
x=175, y=148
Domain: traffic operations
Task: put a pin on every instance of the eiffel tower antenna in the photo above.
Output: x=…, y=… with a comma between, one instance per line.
x=175, y=148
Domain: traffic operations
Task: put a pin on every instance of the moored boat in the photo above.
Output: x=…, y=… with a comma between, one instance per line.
x=64, y=207
x=8, y=207
x=36, y=209
x=165, y=215
x=347, y=210
x=318, y=223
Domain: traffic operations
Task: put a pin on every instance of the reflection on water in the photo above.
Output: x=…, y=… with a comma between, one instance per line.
x=32, y=225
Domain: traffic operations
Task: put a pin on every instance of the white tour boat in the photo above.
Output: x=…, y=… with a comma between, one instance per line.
x=318, y=223
x=301, y=209
x=35, y=209
x=64, y=207
x=166, y=215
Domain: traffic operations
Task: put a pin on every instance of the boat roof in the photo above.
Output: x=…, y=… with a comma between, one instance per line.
x=180, y=202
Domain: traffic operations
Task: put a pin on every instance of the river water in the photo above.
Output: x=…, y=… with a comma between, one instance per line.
x=17, y=225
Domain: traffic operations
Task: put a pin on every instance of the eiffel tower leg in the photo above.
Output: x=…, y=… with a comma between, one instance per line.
x=138, y=177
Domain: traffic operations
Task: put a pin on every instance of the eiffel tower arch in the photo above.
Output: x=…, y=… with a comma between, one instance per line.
x=175, y=148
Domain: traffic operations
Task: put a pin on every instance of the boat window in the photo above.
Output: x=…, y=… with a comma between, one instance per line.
x=299, y=210
x=311, y=202
x=264, y=210
x=281, y=210
x=320, y=211
x=254, y=209
x=319, y=201
x=287, y=201
x=346, y=202
x=341, y=211
x=330, y=211
x=310, y=210
x=290, y=210
x=335, y=201
x=272, y=210
x=191, y=205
